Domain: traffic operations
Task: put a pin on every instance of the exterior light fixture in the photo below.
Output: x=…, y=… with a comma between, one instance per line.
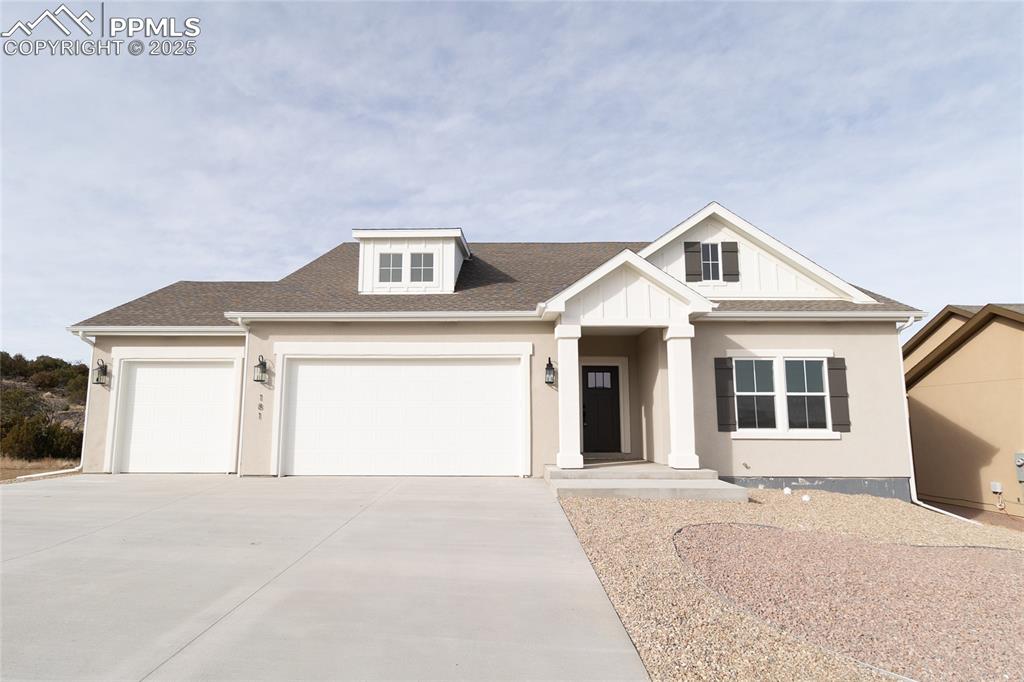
x=99, y=373
x=259, y=374
x=549, y=373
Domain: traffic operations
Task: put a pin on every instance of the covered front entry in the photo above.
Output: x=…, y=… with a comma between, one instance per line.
x=627, y=297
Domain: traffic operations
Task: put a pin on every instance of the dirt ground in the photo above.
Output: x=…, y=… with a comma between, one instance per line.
x=12, y=468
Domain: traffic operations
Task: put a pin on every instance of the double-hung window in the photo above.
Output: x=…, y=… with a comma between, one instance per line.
x=390, y=267
x=755, y=394
x=710, y=265
x=805, y=394
x=421, y=267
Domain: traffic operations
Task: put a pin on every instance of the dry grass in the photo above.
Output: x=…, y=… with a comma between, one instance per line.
x=11, y=468
x=684, y=629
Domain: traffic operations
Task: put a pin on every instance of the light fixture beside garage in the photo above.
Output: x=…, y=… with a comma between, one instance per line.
x=259, y=374
x=99, y=373
x=549, y=373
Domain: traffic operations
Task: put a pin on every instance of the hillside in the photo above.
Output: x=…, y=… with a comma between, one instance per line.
x=42, y=412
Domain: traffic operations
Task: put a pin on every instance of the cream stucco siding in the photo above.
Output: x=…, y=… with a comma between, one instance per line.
x=877, y=445
x=653, y=386
x=967, y=418
x=98, y=408
x=257, y=424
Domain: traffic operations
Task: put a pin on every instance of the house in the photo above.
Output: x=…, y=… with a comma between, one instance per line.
x=418, y=352
x=965, y=387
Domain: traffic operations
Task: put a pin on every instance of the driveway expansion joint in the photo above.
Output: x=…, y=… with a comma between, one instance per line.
x=274, y=577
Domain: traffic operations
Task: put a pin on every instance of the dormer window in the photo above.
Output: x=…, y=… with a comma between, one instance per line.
x=710, y=266
x=411, y=260
x=421, y=267
x=390, y=267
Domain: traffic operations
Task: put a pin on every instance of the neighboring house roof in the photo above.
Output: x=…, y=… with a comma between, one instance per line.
x=952, y=310
x=978, y=320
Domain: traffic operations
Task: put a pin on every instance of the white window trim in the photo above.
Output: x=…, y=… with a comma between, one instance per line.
x=433, y=268
x=737, y=394
x=328, y=350
x=401, y=268
x=717, y=261
x=782, y=430
x=122, y=355
x=622, y=362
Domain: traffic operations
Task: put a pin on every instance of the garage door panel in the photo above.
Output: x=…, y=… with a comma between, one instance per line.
x=176, y=417
x=402, y=417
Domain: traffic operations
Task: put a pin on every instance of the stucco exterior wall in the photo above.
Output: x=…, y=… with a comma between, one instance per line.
x=98, y=403
x=256, y=436
x=653, y=386
x=967, y=421
x=877, y=446
x=878, y=443
x=938, y=335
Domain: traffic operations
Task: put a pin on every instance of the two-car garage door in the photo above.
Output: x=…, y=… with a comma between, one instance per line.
x=403, y=416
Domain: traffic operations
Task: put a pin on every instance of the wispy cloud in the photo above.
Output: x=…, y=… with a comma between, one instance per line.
x=883, y=140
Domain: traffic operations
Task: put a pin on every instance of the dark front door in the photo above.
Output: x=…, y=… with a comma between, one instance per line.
x=601, y=409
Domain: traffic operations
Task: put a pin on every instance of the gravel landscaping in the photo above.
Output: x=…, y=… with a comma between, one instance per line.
x=841, y=587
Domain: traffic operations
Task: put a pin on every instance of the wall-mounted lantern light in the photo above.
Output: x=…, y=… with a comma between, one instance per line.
x=259, y=374
x=99, y=373
x=549, y=373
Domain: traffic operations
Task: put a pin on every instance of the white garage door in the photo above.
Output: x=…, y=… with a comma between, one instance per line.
x=176, y=417
x=431, y=417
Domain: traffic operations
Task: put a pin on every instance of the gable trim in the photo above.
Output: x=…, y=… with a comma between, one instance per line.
x=757, y=235
x=924, y=332
x=693, y=300
x=958, y=338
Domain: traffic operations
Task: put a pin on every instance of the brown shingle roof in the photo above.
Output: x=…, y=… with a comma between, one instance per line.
x=499, y=277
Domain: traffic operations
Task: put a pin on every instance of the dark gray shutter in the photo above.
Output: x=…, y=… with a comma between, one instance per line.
x=725, y=395
x=730, y=261
x=838, y=396
x=691, y=255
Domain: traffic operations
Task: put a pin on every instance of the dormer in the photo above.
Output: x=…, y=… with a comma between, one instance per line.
x=410, y=261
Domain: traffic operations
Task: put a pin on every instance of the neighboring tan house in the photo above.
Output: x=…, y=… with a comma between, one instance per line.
x=965, y=386
x=413, y=351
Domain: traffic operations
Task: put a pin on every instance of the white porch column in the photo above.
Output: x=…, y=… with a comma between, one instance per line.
x=682, y=452
x=570, y=452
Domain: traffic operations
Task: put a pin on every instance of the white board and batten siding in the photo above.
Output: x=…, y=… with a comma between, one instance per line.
x=447, y=264
x=624, y=296
x=762, y=273
x=391, y=409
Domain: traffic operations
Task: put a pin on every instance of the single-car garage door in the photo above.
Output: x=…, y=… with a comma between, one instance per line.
x=403, y=416
x=176, y=417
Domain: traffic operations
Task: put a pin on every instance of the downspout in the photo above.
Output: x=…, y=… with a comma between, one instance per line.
x=910, y=444
x=241, y=396
x=85, y=427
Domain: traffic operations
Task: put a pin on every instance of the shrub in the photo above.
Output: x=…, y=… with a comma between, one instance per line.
x=46, y=379
x=76, y=387
x=37, y=438
x=13, y=367
x=18, y=404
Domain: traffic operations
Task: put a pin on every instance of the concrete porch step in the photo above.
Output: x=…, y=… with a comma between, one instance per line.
x=684, y=489
x=632, y=470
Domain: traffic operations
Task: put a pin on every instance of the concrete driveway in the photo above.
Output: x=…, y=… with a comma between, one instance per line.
x=216, y=577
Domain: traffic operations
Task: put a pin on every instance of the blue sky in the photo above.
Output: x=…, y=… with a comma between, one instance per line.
x=883, y=141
